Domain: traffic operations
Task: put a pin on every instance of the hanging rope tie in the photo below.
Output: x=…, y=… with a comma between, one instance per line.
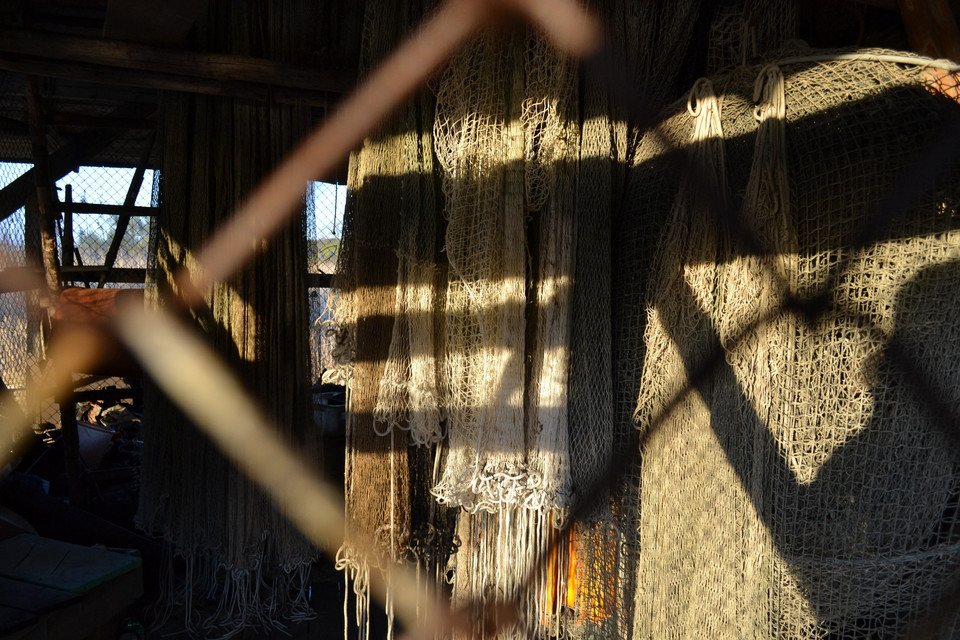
x=769, y=166
x=703, y=104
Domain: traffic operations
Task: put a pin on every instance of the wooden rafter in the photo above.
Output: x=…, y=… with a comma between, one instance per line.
x=137, y=65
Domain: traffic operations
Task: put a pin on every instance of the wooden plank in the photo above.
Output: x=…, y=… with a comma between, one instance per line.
x=108, y=209
x=172, y=62
x=16, y=279
x=87, y=121
x=319, y=280
x=60, y=565
x=33, y=598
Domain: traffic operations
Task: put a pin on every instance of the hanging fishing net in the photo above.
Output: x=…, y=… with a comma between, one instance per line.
x=483, y=321
x=244, y=564
x=803, y=486
x=741, y=30
x=388, y=296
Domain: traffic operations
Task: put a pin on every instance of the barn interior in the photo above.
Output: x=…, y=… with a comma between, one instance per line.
x=463, y=318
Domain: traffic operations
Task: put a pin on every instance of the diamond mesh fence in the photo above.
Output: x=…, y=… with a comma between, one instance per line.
x=21, y=351
x=324, y=230
x=93, y=232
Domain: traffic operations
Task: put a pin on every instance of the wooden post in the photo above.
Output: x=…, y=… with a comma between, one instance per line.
x=67, y=240
x=70, y=437
x=71, y=254
x=48, y=242
x=44, y=187
x=34, y=258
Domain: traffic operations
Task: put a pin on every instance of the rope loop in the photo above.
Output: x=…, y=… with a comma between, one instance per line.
x=701, y=92
x=768, y=93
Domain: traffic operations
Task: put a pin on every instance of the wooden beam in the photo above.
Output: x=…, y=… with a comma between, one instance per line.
x=158, y=62
x=45, y=190
x=155, y=22
x=86, y=121
x=115, y=77
x=65, y=159
x=16, y=279
x=110, y=395
x=124, y=275
x=23, y=278
x=12, y=125
x=108, y=209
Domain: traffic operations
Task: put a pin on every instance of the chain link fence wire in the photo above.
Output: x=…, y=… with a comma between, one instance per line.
x=93, y=232
x=325, y=203
x=19, y=338
x=20, y=348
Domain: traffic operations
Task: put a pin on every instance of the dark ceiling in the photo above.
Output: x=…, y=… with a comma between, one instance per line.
x=101, y=65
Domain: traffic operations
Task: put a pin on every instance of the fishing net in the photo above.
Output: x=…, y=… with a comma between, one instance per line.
x=802, y=488
x=388, y=289
x=245, y=565
x=741, y=30
x=507, y=144
x=495, y=353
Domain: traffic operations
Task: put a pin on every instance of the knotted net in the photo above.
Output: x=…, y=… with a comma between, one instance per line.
x=245, y=565
x=803, y=487
x=388, y=291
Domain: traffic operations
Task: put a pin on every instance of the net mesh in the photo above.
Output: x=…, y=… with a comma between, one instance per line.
x=533, y=175
x=387, y=294
x=741, y=30
x=800, y=489
x=245, y=563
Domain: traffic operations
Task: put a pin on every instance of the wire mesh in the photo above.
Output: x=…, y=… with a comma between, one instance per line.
x=20, y=348
x=93, y=232
x=19, y=315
